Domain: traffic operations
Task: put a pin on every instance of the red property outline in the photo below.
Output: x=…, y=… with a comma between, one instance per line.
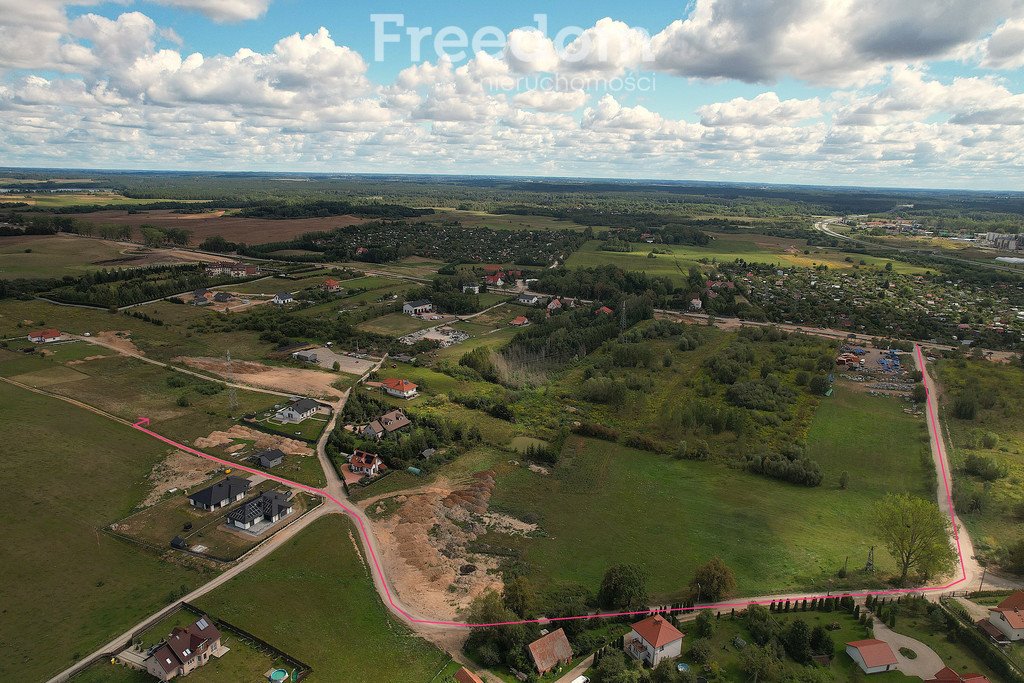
x=932, y=422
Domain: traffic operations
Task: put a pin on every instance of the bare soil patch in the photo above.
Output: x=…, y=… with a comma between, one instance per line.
x=231, y=228
x=119, y=340
x=179, y=471
x=262, y=441
x=292, y=380
x=425, y=546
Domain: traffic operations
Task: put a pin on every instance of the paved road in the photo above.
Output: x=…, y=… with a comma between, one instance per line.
x=924, y=666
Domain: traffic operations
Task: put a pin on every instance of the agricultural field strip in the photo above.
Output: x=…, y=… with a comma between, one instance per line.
x=934, y=429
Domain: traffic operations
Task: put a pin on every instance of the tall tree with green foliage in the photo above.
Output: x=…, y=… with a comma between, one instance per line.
x=624, y=587
x=713, y=581
x=915, y=532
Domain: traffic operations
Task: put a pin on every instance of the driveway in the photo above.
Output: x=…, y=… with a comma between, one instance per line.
x=927, y=663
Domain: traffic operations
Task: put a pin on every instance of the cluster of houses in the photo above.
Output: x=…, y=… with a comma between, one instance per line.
x=204, y=297
x=265, y=510
x=232, y=269
x=497, y=276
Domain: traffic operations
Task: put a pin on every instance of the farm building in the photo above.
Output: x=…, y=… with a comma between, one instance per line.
x=549, y=651
x=417, y=307
x=185, y=650
x=270, y=507
x=653, y=640
x=365, y=463
x=297, y=411
x=44, y=336
x=399, y=388
x=872, y=656
x=305, y=356
x=282, y=298
x=224, y=492
x=1008, y=616
x=269, y=458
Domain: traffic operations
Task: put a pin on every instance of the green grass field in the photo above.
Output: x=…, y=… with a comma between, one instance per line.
x=673, y=515
x=1000, y=387
x=316, y=601
x=396, y=324
x=726, y=247
x=63, y=199
x=35, y=256
x=501, y=221
x=68, y=587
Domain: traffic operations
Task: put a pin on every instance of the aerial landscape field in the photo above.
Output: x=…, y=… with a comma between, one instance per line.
x=455, y=343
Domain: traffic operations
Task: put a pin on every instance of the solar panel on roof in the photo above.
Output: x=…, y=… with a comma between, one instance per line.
x=202, y=623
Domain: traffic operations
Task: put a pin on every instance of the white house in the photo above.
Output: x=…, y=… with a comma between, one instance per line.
x=696, y=304
x=44, y=336
x=282, y=298
x=653, y=640
x=365, y=463
x=417, y=307
x=872, y=656
x=399, y=388
x=297, y=411
x=470, y=289
x=1008, y=616
x=528, y=299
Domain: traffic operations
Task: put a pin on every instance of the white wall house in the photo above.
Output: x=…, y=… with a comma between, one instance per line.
x=282, y=298
x=654, y=639
x=297, y=411
x=872, y=656
x=1008, y=616
x=417, y=307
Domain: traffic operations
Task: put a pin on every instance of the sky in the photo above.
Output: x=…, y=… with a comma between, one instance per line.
x=904, y=93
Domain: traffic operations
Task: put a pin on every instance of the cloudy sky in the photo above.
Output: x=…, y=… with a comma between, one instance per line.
x=911, y=93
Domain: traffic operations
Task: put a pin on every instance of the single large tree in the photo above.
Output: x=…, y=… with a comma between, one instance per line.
x=915, y=532
x=624, y=587
x=713, y=581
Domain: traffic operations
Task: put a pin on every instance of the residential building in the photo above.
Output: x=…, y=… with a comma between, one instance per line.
x=872, y=655
x=305, y=356
x=470, y=289
x=519, y=321
x=331, y=285
x=399, y=388
x=270, y=506
x=388, y=423
x=365, y=463
x=464, y=675
x=554, y=305
x=222, y=297
x=46, y=336
x=185, y=650
x=297, y=411
x=282, y=298
x=653, y=640
x=201, y=297
x=1008, y=616
x=417, y=307
x=223, y=493
x=696, y=304
x=494, y=280
x=550, y=651
x=528, y=299
x=604, y=310
x=269, y=458
x=947, y=675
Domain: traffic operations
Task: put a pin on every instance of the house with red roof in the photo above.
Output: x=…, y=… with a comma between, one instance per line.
x=362, y=462
x=654, y=639
x=496, y=280
x=550, y=651
x=331, y=285
x=399, y=388
x=464, y=675
x=604, y=310
x=947, y=675
x=519, y=321
x=44, y=336
x=185, y=650
x=873, y=656
x=1008, y=616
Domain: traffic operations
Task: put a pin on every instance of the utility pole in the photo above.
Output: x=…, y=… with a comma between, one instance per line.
x=984, y=571
x=232, y=393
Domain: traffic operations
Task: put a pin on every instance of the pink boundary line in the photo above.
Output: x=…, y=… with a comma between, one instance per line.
x=932, y=422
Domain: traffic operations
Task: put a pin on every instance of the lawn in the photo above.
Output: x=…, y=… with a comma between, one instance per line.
x=996, y=434
x=776, y=536
x=725, y=247
x=317, y=602
x=47, y=256
x=68, y=587
x=396, y=324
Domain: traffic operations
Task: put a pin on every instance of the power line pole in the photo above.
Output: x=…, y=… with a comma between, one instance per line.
x=232, y=392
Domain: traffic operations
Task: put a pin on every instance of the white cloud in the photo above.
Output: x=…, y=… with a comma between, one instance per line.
x=1004, y=49
x=222, y=10
x=551, y=100
x=765, y=109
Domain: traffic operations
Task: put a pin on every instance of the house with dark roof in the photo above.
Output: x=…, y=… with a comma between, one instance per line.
x=550, y=651
x=528, y=299
x=270, y=506
x=654, y=639
x=306, y=356
x=225, y=492
x=873, y=656
x=388, y=423
x=297, y=411
x=269, y=458
x=185, y=650
x=282, y=298
x=417, y=307
x=222, y=297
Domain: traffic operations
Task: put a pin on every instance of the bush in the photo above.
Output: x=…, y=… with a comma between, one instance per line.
x=596, y=431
